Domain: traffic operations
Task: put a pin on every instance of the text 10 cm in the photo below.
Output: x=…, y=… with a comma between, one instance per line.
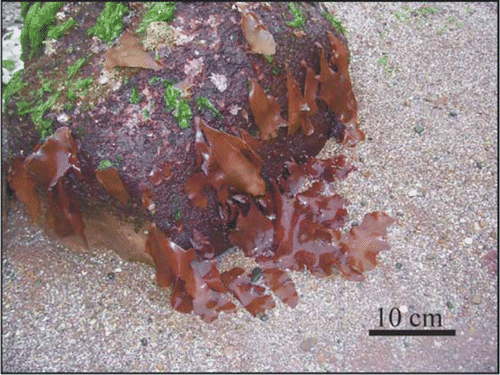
x=415, y=319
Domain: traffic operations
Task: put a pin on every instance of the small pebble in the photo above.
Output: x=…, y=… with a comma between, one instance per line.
x=110, y=276
x=412, y=192
x=264, y=317
x=144, y=341
x=453, y=113
x=476, y=300
x=256, y=275
x=419, y=129
x=468, y=241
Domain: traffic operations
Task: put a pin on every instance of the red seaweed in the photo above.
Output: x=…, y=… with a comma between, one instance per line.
x=266, y=112
x=45, y=167
x=53, y=159
x=257, y=35
x=361, y=245
x=206, y=188
x=251, y=296
x=298, y=109
x=24, y=186
x=129, y=52
x=63, y=213
x=197, y=283
x=111, y=181
x=229, y=161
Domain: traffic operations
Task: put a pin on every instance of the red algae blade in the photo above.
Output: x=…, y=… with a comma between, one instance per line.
x=239, y=164
x=63, y=213
x=24, y=186
x=110, y=179
x=282, y=285
x=53, y=159
x=197, y=283
x=256, y=34
x=266, y=112
x=251, y=296
x=130, y=53
x=298, y=109
x=361, y=245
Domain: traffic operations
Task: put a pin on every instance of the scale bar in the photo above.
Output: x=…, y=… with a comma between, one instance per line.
x=411, y=332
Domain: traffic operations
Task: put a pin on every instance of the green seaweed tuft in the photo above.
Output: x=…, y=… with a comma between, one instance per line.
x=110, y=23
x=37, y=23
x=15, y=84
x=10, y=65
x=134, y=95
x=181, y=109
x=105, y=164
x=335, y=23
x=203, y=102
x=72, y=69
x=58, y=31
x=298, y=17
x=163, y=11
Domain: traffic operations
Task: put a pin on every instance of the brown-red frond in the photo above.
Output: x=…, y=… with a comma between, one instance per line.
x=111, y=181
x=251, y=296
x=266, y=112
x=227, y=161
x=63, y=213
x=298, y=108
x=256, y=34
x=129, y=52
x=254, y=233
x=53, y=159
x=197, y=283
x=361, y=245
x=24, y=185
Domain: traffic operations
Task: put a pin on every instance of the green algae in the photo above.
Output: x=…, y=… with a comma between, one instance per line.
x=203, y=102
x=134, y=95
x=105, y=164
x=72, y=69
x=81, y=84
x=10, y=65
x=178, y=105
x=298, y=17
x=335, y=23
x=158, y=12
x=38, y=21
x=154, y=80
x=110, y=23
x=58, y=31
x=14, y=85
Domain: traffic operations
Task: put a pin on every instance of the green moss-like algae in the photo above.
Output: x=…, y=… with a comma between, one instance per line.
x=37, y=23
x=203, y=102
x=180, y=107
x=163, y=11
x=298, y=17
x=110, y=23
x=58, y=31
x=134, y=95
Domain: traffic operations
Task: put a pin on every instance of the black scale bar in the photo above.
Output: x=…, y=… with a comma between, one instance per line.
x=411, y=332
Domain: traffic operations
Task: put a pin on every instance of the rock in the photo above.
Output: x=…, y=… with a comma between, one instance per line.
x=138, y=163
